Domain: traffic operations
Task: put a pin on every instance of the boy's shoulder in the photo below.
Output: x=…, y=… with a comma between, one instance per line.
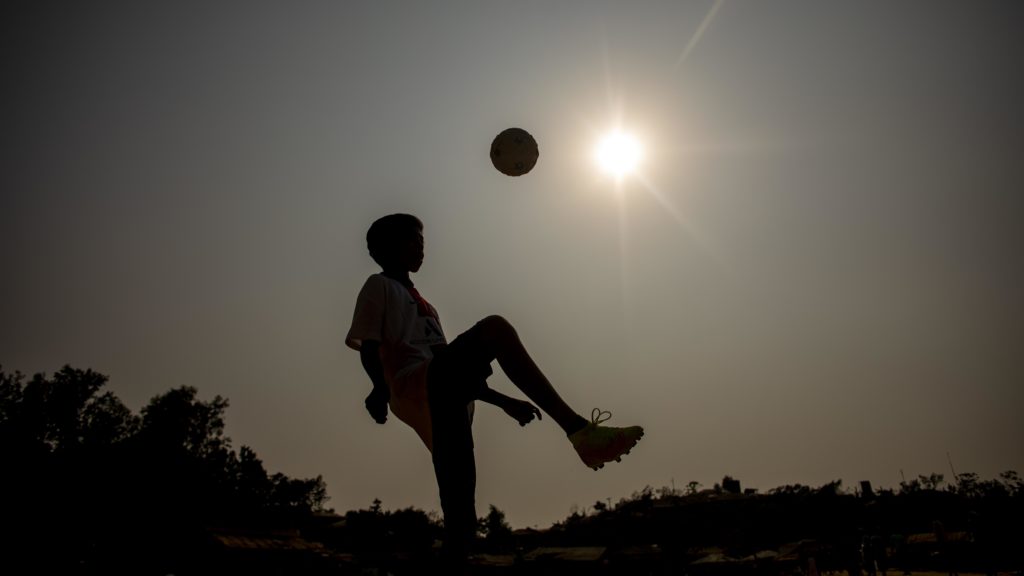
x=376, y=277
x=380, y=286
x=374, y=283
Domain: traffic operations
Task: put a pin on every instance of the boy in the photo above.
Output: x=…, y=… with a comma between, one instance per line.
x=430, y=384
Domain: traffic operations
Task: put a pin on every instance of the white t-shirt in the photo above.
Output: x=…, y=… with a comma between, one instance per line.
x=388, y=313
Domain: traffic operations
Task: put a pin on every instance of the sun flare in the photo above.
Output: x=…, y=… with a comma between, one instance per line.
x=618, y=154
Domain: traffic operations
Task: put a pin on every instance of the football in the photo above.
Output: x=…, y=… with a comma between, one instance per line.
x=514, y=152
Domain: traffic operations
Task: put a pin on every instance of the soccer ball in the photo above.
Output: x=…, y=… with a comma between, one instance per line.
x=514, y=152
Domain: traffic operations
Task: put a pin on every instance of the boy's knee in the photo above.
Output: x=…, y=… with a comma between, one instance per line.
x=496, y=329
x=496, y=320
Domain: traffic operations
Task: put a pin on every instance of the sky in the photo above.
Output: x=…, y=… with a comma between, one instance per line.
x=814, y=274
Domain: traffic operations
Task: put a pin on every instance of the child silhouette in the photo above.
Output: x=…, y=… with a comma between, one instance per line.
x=430, y=383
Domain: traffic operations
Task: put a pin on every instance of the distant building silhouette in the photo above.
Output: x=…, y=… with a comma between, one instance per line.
x=731, y=485
x=866, y=490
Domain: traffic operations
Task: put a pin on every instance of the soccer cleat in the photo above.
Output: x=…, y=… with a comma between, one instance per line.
x=597, y=444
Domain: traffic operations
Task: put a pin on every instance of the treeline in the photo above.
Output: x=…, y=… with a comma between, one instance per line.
x=983, y=517
x=925, y=524
x=88, y=486
x=85, y=479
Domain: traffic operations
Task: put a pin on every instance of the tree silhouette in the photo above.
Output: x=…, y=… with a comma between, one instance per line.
x=85, y=475
x=177, y=422
x=375, y=535
x=497, y=533
x=252, y=485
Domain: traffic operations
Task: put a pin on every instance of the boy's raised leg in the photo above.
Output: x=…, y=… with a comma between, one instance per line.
x=596, y=444
x=503, y=344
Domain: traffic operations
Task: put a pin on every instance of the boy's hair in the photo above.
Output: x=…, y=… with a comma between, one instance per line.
x=389, y=233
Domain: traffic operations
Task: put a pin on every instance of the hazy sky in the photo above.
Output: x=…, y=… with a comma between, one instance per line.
x=816, y=273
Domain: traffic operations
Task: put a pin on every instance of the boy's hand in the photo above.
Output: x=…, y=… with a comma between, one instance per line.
x=377, y=406
x=521, y=411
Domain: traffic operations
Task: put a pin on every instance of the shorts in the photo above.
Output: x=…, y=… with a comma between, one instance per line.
x=459, y=371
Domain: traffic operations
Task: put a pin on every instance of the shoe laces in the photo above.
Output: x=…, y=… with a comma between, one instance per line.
x=598, y=416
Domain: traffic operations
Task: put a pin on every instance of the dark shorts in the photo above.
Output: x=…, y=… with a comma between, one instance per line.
x=459, y=371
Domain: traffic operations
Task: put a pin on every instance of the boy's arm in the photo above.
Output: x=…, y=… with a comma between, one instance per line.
x=520, y=410
x=377, y=401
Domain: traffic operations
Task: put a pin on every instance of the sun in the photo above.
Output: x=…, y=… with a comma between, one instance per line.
x=618, y=154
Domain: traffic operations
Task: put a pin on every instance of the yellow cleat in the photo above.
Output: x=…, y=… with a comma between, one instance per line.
x=597, y=444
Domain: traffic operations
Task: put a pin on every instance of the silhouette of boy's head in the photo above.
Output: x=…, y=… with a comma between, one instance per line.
x=396, y=241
